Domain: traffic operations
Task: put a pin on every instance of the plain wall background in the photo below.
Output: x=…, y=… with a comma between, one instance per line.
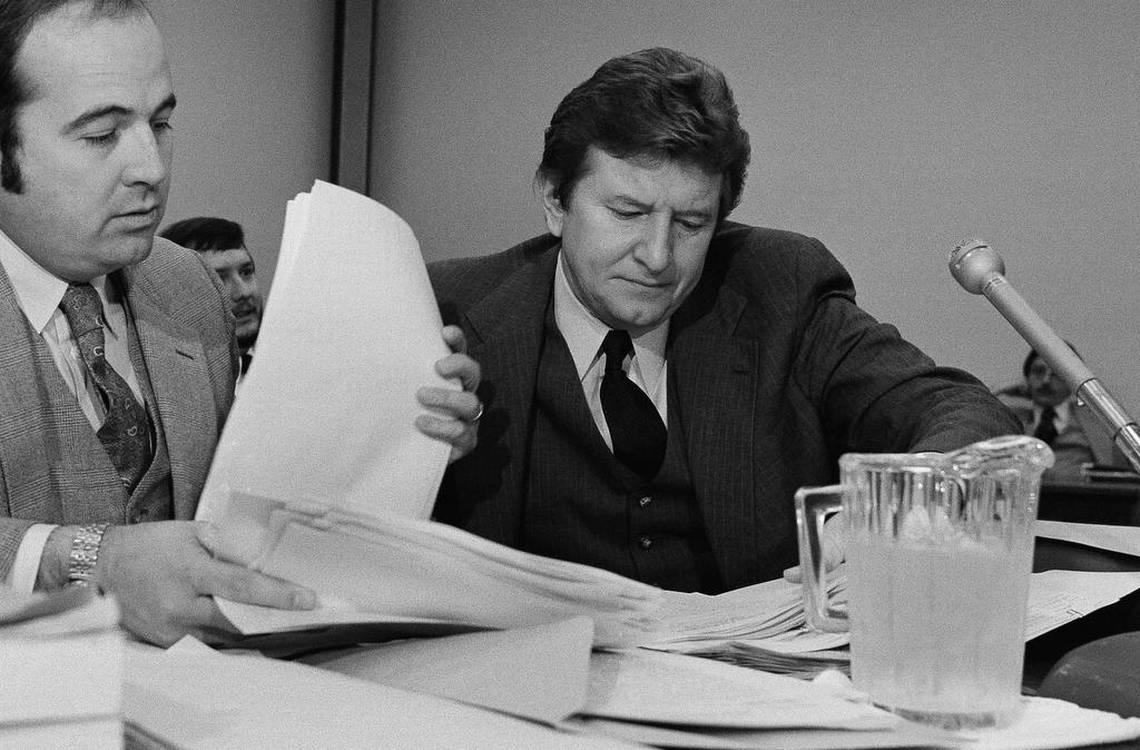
x=254, y=81
x=890, y=130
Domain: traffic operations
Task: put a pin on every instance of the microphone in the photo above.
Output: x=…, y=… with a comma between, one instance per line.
x=980, y=270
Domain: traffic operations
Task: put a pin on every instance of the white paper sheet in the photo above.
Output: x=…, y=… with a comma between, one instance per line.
x=678, y=690
x=351, y=331
x=538, y=673
x=1123, y=539
x=1060, y=596
x=194, y=698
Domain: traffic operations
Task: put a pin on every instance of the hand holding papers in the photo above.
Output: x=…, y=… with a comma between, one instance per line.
x=321, y=476
x=399, y=570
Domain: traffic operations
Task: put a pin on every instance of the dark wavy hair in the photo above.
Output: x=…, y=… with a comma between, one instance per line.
x=205, y=233
x=656, y=103
x=17, y=17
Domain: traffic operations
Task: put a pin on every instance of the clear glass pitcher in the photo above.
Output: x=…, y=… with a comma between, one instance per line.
x=938, y=553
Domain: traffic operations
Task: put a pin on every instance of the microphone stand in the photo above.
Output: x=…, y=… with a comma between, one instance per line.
x=980, y=270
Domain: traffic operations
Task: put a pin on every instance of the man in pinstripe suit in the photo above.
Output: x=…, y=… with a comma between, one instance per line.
x=747, y=341
x=85, y=151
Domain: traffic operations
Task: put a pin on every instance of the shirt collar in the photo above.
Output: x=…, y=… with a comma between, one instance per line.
x=38, y=291
x=584, y=333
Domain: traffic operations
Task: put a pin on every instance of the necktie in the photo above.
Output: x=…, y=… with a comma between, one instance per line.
x=125, y=433
x=1047, y=427
x=635, y=426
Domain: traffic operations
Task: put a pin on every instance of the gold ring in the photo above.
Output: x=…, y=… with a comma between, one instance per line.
x=478, y=414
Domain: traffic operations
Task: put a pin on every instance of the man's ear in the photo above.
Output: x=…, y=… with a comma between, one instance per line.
x=552, y=207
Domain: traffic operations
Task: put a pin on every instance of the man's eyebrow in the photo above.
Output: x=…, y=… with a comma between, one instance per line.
x=629, y=200
x=92, y=115
x=112, y=110
x=696, y=213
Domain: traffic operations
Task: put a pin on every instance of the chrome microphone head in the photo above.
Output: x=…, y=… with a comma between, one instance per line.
x=973, y=263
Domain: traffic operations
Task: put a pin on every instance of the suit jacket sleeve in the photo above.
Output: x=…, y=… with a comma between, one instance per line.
x=874, y=391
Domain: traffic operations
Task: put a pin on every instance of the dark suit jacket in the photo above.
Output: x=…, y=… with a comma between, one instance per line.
x=777, y=372
x=52, y=468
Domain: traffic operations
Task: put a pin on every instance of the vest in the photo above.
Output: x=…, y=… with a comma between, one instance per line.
x=585, y=506
x=78, y=452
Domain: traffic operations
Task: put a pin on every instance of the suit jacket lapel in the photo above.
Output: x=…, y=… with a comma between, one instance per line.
x=714, y=373
x=176, y=366
x=507, y=328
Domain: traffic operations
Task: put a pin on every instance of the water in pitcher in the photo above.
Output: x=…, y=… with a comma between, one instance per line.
x=945, y=657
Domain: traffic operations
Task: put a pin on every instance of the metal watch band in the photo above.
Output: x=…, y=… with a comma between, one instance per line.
x=84, y=554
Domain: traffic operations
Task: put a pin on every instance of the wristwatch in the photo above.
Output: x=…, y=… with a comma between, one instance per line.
x=84, y=554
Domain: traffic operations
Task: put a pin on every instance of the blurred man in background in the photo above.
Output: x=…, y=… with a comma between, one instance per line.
x=1049, y=411
x=221, y=243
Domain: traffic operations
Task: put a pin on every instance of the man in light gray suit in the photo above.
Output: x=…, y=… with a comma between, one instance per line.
x=117, y=352
x=753, y=368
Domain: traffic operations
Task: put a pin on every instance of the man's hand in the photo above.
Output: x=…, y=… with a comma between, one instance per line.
x=455, y=417
x=164, y=575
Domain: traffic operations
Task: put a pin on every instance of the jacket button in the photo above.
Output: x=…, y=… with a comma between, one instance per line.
x=645, y=542
x=646, y=500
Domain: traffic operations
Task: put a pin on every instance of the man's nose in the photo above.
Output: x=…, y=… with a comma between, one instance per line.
x=656, y=248
x=238, y=289
x=147, y=158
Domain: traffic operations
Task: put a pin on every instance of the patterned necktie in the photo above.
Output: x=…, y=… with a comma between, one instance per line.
x=1047, y=427
x=125, y=433
x=635, y=426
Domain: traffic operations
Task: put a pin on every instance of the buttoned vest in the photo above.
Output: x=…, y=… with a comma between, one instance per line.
x=583, y=505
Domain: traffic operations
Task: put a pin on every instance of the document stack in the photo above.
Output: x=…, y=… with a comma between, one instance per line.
x=61, y=670
x=322, y=478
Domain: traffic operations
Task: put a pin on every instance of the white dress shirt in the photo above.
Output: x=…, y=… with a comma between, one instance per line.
x=584, y=333
x=38, y=294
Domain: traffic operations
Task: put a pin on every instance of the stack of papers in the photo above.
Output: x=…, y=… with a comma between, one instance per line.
x=61, y=670
x=322, y=478
x=805, y=665
x=401, y=573
x=762, y=626
x=757, y=612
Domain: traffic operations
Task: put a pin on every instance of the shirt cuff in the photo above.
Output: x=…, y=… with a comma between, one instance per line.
x=22, y=576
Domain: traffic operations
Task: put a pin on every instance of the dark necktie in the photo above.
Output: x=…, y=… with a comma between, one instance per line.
x=1047, y=427
x=636, y=428
x=125, y=433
